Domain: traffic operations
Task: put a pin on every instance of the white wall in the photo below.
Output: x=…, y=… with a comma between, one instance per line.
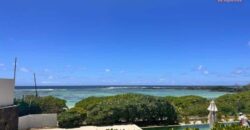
x=6, y=92
x=37, y=121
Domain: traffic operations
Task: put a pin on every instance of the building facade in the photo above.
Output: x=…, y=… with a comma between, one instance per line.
x=8, y=111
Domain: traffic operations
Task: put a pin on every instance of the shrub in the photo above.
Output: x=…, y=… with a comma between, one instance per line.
x=228, y=104
x=37, y=105
x=25, y=108
x=78, y=110
x=90, y=102
x=70, y=119
x=229, y=127
x=51, y=104
x=224, y=127
x=190, y=105
x=128, y=108
x=191, y=129
x=231, y=104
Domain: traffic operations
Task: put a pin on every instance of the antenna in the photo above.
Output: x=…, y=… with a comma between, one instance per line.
x=15, y=70
x=35, y=84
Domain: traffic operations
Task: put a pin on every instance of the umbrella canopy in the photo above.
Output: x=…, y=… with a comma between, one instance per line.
x=212, y=114
x=212, y=106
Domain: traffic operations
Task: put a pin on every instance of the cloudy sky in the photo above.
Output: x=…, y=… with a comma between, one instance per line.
x=91, y=42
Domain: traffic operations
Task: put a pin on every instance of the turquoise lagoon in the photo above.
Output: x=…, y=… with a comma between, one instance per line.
x=73, y=94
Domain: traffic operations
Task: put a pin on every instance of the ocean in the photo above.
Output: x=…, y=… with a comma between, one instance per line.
x=73, y=94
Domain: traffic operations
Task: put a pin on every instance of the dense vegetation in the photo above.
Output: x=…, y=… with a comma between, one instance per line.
x=190, y=105
x=224, y=127
x=229, y=127
x=133, y=108
x=71, y=119
x=216, y=127
x=37, y=105
x=128, y=108
x=228, y=104
x=232, y=104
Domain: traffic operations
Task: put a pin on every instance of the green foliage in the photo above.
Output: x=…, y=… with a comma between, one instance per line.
x=128, y=108
x=224, y=127
x=191, y=129
x=51, y=104
x=27, y=108
x=36, y=105
x=228, y=105
x=90, y=102
x=70, y=119
x=229, y=127
x=219, y=116
x=134, y=108
x=186, y=120
x=78, y=110
x=246, y=87
x=190, y=105
x=231, y=104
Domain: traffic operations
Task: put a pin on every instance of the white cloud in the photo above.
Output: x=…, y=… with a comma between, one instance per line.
x=2, y=65
x=23, y=69
x=202, y=70
x=107, y=70
x=205, y=72
x=162, y=80
x=200, y=67
x=49, y=82
x=51, y=77
x=241, y=72
x=46, y=70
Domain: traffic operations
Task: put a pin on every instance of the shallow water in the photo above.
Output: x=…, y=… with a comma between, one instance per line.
x=75, y=94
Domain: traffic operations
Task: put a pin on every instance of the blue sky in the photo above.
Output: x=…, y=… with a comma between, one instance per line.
x=92, y=42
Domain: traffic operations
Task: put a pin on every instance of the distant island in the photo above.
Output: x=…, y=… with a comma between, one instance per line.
x=218, y=88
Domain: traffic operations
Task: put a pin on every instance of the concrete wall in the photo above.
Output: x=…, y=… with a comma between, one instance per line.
x=37, y=121
x=6, y=92
x=8, y=118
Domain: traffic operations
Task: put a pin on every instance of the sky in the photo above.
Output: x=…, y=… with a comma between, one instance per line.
x=125, y=42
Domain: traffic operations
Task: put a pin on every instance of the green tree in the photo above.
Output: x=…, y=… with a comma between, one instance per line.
x=128, y=108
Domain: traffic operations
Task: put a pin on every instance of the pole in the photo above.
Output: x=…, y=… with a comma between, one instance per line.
x=15, y=70
x=35, y=84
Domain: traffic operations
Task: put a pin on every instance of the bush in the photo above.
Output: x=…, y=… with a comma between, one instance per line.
x=231, y=104
x=191, y=129
x=51, y=104
x=224, y=127
x=37, y=105
x=229, y=127
x=70, y=119
x=25, y=108
x=90, y=102
x=128, y=108
x=190, y=105
x=78, y=110
x=228, y=105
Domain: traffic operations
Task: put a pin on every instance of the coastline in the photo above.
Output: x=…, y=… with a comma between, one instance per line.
x=73, y=94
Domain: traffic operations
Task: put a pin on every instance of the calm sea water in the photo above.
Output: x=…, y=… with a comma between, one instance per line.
x=73, y=94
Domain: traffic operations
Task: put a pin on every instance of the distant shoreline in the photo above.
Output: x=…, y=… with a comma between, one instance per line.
x=218, y=88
